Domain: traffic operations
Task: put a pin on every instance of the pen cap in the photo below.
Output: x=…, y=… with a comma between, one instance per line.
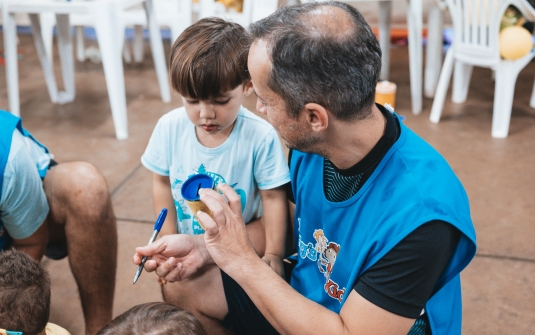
x=160, y=220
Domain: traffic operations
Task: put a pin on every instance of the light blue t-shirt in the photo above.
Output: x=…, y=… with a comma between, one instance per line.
x=250, y=160
x=23, y=204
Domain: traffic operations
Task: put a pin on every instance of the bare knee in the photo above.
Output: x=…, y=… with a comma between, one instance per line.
x=77, y=187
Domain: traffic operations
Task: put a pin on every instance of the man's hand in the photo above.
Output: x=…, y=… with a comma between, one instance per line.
x=275, y=262
x=174, y=257
x=225, y=235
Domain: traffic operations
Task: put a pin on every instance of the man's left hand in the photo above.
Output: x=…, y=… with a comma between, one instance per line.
x=225, y=235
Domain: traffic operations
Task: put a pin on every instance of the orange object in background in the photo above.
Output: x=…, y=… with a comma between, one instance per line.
x=397, y=34
x=385, y=93
x=237, y=5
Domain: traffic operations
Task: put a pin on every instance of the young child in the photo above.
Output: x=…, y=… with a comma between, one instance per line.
x=24, y=296
x=214, y=135
x=155, y=318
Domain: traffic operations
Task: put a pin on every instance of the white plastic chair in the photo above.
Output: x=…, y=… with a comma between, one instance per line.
x=174, y=14
x=476, y=43
x=415, y=25
x=433, y=52
x=110, y=37
x=170, y=13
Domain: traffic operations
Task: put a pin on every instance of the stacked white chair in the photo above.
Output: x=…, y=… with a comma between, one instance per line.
x=476, y=43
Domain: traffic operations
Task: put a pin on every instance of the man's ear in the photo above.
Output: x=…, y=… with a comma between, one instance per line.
x=247, y=88
x=317, y=116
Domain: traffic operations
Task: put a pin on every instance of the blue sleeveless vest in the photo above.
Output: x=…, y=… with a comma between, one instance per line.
x=412, y=185
x=8, y=124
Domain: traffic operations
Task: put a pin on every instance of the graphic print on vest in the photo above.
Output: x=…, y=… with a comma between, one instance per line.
x=324, y=253
x=181, y=206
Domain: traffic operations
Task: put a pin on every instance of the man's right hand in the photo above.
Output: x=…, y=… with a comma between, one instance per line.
x=174, y=257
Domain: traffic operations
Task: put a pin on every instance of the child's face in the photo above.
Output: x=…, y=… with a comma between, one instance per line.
x=214, y=119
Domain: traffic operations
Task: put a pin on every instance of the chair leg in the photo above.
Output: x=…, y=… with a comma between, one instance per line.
x=461, y=81
x=385, y=14
x=12, y=70
x=80, y=48
x=184, y=15
x=138, y=44
x=433, y=57
x=158, y=56
x=532, y=100
x=47, y=21
x=127, y=56
x=66, y=56
x=46, y=65
x=506, y=74
x=442, y=87
x=414, y=22
x=105, y=27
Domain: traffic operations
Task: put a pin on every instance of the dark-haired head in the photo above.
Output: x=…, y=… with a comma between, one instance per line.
x=209, y=58
x=322, y=53
x=154, y=318
x=24, y=293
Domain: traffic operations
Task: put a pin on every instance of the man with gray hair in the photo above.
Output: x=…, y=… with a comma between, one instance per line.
x=382, y=225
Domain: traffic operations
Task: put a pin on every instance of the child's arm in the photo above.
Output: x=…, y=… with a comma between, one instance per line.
x=162, y=197
x=275, y=214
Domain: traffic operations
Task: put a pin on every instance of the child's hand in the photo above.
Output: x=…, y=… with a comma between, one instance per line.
x=275, y=262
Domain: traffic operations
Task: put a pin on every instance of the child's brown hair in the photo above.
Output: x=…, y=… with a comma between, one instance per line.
x=154, y=318
x=210, y=58
x=24, y=293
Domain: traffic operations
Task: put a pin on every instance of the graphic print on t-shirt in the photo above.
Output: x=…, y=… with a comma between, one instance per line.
x=188, y=221
x=324, y=252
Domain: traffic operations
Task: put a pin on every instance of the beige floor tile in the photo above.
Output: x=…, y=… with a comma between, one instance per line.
x=498, y=297
x=66, y=309
x=133, y=200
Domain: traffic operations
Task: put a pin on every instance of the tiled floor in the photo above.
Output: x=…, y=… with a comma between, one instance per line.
x=499, y=284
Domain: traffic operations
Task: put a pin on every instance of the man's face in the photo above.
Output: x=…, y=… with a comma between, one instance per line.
x=293, y=131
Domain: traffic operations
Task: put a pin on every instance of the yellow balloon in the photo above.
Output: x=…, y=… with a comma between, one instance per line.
x=515, y=42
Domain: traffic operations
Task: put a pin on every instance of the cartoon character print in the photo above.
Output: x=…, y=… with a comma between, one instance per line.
x=325, y=253
x=329, y=258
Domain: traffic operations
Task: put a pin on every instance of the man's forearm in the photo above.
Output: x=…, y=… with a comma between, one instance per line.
x=287, y=310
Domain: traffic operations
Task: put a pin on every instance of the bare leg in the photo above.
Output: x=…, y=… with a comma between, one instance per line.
x=203, y=296
x=81, y=213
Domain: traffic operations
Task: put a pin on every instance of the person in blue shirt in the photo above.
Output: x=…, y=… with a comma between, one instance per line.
x=57, y=210
x=381, y=224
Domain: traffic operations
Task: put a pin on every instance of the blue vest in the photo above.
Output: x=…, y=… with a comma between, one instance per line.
x=8, y=124
x=412, y=185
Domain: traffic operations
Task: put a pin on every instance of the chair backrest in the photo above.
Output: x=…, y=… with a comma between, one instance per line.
x=477, y=27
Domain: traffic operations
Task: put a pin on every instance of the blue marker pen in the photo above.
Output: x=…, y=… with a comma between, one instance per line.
x=157, y=227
